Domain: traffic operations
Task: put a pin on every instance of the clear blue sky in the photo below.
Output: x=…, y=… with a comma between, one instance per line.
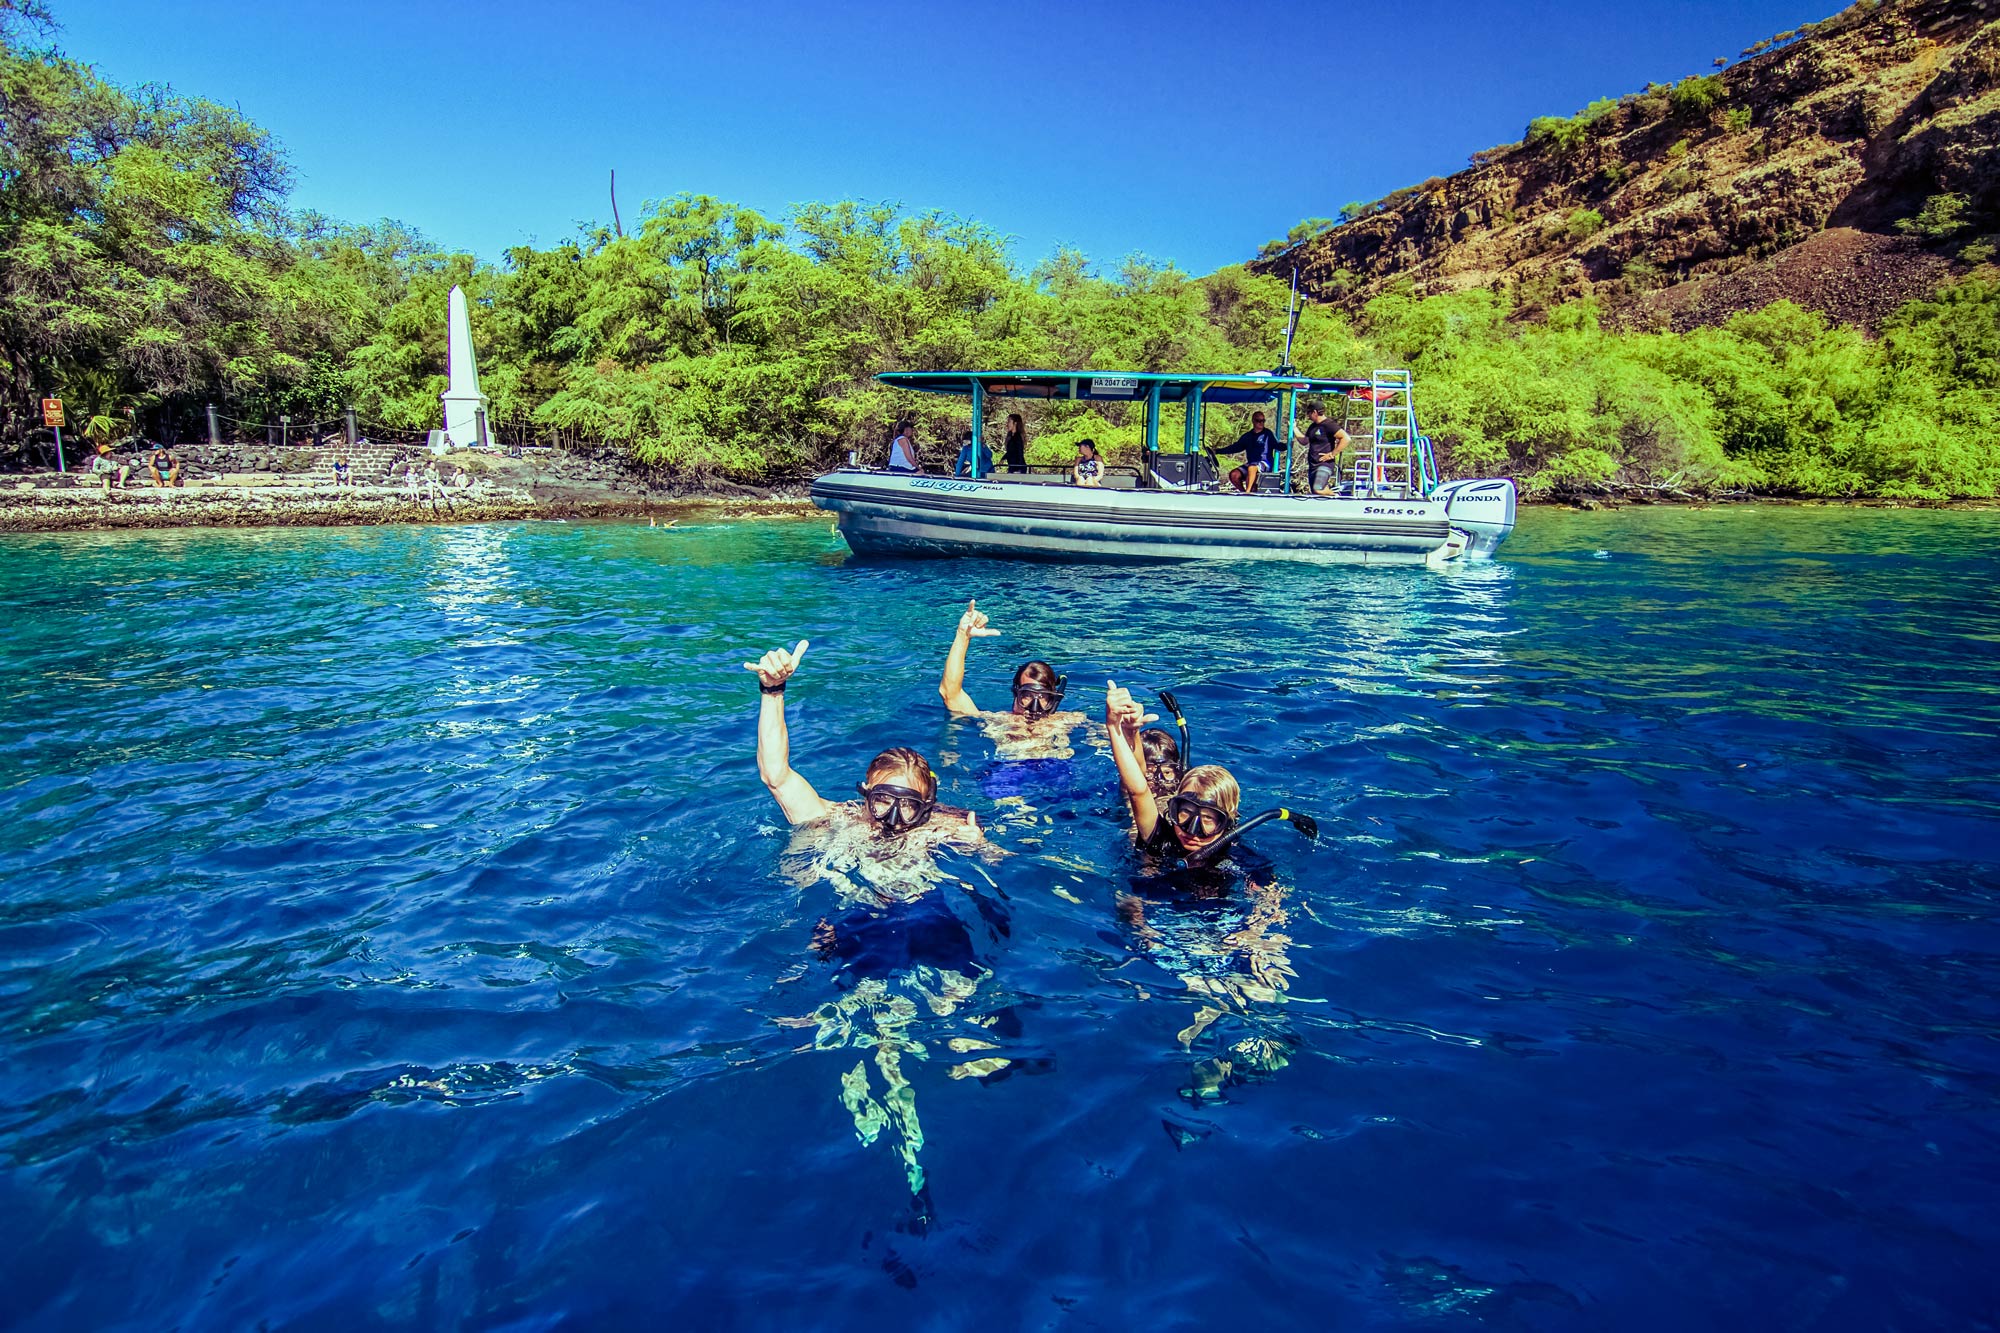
x=1191, y=132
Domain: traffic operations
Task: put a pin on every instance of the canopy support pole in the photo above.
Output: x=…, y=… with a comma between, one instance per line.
x=1291, y=415
x=1152, y=424
x=978, y=424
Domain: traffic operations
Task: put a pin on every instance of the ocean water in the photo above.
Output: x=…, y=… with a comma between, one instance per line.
x=394, y=934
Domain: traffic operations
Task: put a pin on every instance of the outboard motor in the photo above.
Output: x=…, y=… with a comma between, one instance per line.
x=1484, y=509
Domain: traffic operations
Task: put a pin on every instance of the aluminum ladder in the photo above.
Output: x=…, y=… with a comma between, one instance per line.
x=1385, y=466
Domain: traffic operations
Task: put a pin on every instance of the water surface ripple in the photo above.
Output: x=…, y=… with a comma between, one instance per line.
x=396, y=935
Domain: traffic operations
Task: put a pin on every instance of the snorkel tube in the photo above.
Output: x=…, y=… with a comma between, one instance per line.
x=1173, y=707
x=1304, y=823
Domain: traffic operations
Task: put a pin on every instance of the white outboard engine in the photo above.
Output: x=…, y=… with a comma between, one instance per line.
x=1484, y=509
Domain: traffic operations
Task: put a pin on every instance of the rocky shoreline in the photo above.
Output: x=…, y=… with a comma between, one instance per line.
x=87, y=509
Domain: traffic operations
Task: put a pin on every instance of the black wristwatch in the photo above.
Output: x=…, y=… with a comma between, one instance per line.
x=762, y=688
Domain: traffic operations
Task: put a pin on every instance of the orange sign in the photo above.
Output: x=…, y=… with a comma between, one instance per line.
x=52, y=412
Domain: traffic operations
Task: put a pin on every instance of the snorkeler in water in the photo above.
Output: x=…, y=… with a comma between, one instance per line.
x=899, y=950
x=898, y=791
x=1037, y=726
x=1162, y=757
x=1193, y=814
x=1208, y=909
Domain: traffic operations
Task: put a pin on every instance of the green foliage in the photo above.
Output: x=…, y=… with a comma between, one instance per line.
x=1737, y=119
x=149, y=262
x=1941, y=218
x=1696, y=95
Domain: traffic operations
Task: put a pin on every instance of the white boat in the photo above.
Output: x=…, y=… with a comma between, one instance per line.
x=1393, y=508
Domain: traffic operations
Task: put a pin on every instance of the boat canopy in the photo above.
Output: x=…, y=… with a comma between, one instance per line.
x=1114, y=385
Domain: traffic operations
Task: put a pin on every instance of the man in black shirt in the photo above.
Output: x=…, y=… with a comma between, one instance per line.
x=1259, y=449
x=1325, y=443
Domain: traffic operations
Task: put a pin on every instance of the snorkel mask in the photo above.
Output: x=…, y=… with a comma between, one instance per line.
x=1165, y=775
x=1040, y=700
x=895, y=810
x=1196, y=818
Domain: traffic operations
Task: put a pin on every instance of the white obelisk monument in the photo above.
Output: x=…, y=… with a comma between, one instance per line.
x=465, y=409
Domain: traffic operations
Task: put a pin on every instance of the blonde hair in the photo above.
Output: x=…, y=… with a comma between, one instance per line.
x=1213, y=783
x=901, y=762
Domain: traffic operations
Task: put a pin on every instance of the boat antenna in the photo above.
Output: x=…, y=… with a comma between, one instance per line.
x=1291, y=325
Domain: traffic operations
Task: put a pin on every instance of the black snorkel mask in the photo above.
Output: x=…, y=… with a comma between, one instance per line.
x=1040, y=700
x=1198, y=818
x=895, y=810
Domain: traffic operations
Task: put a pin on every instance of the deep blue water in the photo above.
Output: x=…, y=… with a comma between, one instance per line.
x=396, y=935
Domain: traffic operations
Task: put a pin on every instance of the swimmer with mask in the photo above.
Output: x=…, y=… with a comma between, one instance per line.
x=1162, y=757
x=897, y=793
x=899, y=950
x=1197, y=813
x=1220, y=931
x=1037, y=726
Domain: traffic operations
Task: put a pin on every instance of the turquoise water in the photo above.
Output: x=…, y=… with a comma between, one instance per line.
x=396, y=935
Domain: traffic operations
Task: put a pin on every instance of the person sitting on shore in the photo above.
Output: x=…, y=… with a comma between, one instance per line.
x=166, y=469
x=107, y=465
x=343, y=475
x=975, y=459
x=1259, y=449
x=903, y=449
x=1087, y=470
x=1036, y=727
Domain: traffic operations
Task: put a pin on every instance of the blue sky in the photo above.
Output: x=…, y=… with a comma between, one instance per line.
x=1189, y=132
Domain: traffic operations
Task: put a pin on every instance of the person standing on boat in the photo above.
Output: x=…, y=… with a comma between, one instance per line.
x=1325, y=443
x=903, y=449
x=1259, y=449
x=1037, y=727
x=1014, y=448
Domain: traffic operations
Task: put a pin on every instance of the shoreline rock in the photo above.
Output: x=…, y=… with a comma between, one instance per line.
x=87, y=509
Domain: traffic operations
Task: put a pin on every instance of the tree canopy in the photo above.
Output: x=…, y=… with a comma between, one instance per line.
x=149, y=261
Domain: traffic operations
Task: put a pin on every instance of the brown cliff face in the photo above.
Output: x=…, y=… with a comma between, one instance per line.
x=1784, y=175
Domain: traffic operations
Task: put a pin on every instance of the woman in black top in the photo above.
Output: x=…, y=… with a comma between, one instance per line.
x=1015, y=448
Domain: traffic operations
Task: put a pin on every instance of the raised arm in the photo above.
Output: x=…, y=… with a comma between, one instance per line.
x=971, y=625
x=1123, y=717
x=796, y=796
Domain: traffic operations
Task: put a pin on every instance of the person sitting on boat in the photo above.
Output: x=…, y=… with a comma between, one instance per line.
x=974, y=458
x=1037, y=727
x=1088, y=470
x=903, y=448
x=1325, y=443
x=1259, y=449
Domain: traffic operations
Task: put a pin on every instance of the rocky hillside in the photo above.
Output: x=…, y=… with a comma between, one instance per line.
x=1849, y=166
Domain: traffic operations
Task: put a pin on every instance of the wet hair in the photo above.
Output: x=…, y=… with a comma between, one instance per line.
x=902, y=761
x=1036, y=675
x=1157, y=744
x=1214, y=784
